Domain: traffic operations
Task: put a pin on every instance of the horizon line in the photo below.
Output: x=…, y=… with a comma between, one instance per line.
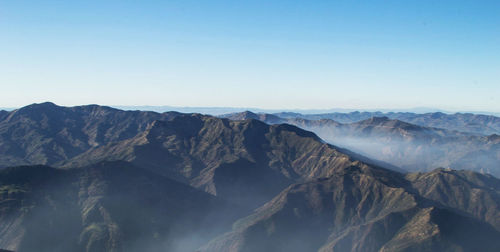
x=229, y=109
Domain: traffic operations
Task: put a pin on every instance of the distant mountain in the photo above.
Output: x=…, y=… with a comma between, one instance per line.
x=372, y=210
x=188, y=110
x=418, y=148
x=268, y=118
x=409, y=146
x=51, y=135
x=109, y=206
x=474, y=123
x=465, y=122
x=46, y=133
x=225, y=110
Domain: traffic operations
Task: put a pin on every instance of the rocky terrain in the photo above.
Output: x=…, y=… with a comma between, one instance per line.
x=374, y=210
x=92, y=178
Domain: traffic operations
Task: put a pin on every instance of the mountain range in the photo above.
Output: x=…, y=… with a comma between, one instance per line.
x=369, y=209
x=408, y=146
x=464, y=122
x=94, y=178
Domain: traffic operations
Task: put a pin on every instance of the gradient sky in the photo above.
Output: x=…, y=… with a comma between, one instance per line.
x=266, y=54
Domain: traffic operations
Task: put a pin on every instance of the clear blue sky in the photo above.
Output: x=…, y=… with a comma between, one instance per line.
x=267, y=54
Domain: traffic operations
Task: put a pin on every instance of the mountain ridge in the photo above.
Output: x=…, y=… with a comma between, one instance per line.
x=46, y=133
x=142, y=181
x=408, y=146
x=464, y=122
x=368, y=215
x=201, y=150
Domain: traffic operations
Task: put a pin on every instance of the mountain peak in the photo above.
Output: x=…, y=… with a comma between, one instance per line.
x=249, y=113
x=387, y=122
x=242, y=116
x=35, y=110
x=43, y=105
x=267, y=118
x=46, y=104
x=374, y=120
x=296, y=130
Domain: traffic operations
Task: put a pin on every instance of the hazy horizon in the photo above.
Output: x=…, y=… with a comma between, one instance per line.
x=228, y=110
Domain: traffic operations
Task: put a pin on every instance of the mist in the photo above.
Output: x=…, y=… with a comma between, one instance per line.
x=419, y=151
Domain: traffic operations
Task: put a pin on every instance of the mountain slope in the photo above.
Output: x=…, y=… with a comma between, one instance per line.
x=103, y=207
x=46, y=133
x=246, y=161
x=372, y=210
x=3, y=114
x=475, y=194
x=238, y=160
x=409, y=146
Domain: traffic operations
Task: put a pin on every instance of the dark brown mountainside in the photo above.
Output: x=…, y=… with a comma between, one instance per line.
x=374, y=210
x=246, y=161
x=104, y=207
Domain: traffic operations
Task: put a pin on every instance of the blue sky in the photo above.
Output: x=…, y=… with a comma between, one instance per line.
x=266, y=54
